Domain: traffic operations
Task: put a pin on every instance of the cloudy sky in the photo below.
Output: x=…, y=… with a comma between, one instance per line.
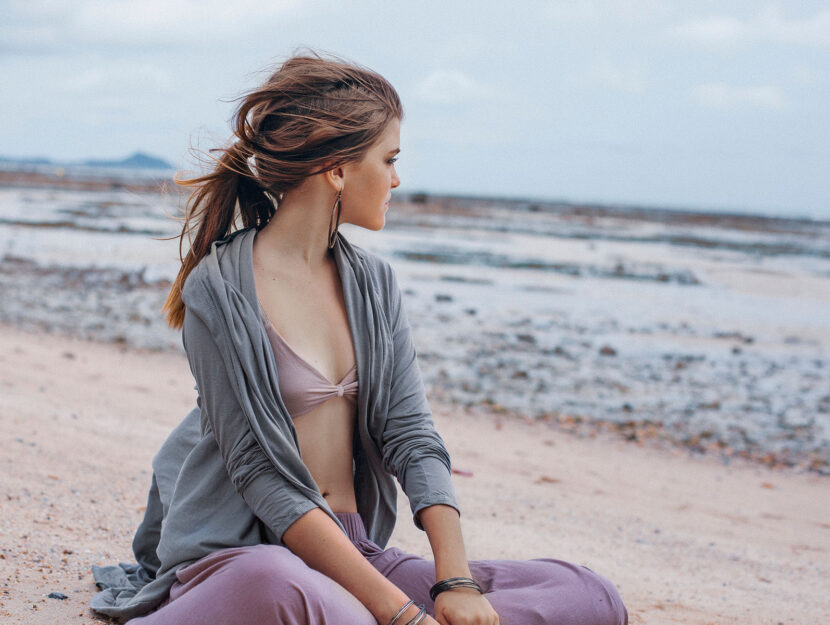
x=693, y=104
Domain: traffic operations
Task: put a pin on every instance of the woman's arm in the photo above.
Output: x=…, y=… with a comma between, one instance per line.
x=443, y=527
x=413, y=451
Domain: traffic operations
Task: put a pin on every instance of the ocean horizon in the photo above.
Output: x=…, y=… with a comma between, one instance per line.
x=152, y=175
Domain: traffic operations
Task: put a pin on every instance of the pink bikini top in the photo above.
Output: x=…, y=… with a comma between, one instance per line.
x=302, y=386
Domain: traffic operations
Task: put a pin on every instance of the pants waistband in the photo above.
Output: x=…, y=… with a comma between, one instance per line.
x=353, y=524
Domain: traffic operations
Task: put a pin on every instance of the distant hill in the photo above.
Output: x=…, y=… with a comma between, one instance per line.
x=139, y=160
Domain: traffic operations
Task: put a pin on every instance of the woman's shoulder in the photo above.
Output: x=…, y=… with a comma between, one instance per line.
x=383, y=273
x=378, y=267
x=377, y=263
x=223, y=256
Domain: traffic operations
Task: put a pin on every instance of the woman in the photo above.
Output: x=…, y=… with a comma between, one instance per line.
x=273, y=501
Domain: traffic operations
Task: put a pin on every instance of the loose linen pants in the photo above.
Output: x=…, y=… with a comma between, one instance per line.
x=270, y=585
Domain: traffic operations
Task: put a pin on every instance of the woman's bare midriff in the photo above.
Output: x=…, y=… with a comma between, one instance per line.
x=325, y=436
x=309, y=312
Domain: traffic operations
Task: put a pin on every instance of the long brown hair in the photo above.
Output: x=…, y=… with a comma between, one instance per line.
x=313, y=114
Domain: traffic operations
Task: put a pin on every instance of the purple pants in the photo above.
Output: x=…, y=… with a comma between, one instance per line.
x=269, y=584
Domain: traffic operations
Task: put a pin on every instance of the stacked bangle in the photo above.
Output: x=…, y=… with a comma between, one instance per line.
x=453, y=582
x=401, y=611
x=420, y=617
x=415, y=620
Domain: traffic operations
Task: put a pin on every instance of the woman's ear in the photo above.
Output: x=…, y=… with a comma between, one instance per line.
x=336, y=177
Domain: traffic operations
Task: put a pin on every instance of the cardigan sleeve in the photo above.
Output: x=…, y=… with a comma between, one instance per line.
x=413, y=450
x=271, y=497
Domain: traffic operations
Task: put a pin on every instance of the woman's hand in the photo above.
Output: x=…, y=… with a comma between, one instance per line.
x=464, y=606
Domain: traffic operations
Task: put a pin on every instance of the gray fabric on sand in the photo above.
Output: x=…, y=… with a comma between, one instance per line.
x=231, y=474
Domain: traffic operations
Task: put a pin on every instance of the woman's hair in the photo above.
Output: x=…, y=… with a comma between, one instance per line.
x=312, y=115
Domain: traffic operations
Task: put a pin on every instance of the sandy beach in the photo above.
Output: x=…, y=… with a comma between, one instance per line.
x=686, y=538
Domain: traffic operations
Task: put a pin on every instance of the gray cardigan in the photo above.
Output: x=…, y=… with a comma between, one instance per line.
x=231, y=474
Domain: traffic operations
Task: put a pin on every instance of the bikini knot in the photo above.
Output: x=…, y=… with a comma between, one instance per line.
x=340, y=390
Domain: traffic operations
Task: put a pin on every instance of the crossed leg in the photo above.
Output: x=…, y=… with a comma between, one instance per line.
x=263, y=584
x=541, y=591
x=269, y=584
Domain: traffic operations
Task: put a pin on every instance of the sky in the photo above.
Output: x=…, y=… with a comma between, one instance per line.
x=721, y=106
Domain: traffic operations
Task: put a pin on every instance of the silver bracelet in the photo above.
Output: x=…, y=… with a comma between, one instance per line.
x=401, y=611
x=420, y=617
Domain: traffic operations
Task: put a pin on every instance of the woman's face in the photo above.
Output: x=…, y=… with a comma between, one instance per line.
x=367, y=184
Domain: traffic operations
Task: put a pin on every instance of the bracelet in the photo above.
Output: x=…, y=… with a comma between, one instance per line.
x=420, y=617
x=437, y=591
x=401, y=611
x=453, y=582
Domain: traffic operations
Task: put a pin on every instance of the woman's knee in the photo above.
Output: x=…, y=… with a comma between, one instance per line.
x=269, y=575
x=266, y=566
x=580, y=595
x=276, y=585
x=546, y=590
x=607, y=603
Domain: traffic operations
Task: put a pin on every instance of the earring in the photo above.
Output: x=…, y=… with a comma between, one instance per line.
x=333, y=235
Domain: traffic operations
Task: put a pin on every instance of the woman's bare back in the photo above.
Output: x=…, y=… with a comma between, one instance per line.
x=309, y=313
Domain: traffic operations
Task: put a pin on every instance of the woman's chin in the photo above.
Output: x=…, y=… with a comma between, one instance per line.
x=379, y=223
x=376, y=224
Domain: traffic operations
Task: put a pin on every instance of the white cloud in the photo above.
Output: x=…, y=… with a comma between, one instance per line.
x=714, y=31
x=812, y=31
x=629, y=78
x=119, y=79
x=446, y=86
x=50, y=26
x=157, y=21
x=726, y=97
x=804, y=75
x=767, y=26
x=478, y=129
x=569, y=12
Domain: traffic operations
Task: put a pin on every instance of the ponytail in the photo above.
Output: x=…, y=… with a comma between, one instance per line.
x=211, y=210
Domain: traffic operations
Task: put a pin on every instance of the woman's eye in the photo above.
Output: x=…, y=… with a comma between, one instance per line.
x=392, y=160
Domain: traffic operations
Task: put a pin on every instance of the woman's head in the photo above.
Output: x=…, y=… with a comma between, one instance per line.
x=311, y=116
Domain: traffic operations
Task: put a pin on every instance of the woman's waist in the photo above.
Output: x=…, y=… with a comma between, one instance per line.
x=337, y=489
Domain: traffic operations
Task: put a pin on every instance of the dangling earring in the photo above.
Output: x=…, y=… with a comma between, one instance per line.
x=333, y=235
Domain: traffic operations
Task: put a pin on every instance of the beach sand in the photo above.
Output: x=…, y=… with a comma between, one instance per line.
x=686, y=538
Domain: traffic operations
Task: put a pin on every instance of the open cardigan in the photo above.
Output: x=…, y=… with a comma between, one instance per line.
x=231, y=473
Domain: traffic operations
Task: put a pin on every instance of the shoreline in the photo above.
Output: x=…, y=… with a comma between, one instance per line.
x=685, y=538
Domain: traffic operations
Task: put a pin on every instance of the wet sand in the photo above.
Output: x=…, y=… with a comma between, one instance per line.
x=686, y=538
